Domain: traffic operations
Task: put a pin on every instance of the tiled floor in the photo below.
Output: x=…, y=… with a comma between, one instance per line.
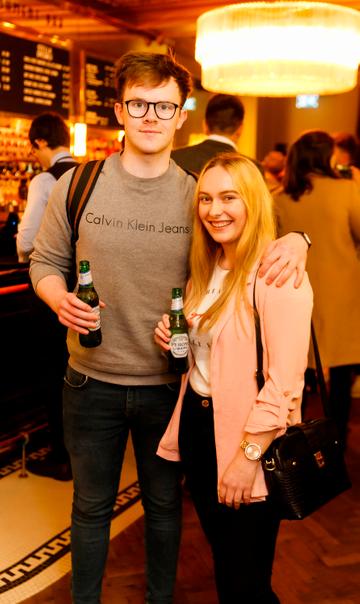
x=34, y=528
x=317, y=559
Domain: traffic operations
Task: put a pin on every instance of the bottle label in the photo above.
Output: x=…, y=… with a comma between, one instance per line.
x=176, y=304
x=85, y=278
x=96, y=311
x=179, y=345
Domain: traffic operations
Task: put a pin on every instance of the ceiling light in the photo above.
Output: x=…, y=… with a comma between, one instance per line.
x=80, y=136
x=279, y=48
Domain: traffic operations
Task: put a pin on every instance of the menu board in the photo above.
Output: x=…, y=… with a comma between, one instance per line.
x=34, y=77
x=100, y=93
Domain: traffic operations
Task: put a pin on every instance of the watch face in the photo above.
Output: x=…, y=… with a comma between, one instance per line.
x=253, y=452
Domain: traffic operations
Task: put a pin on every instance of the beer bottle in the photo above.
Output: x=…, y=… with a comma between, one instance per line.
x=87, y=293
x=179, y=343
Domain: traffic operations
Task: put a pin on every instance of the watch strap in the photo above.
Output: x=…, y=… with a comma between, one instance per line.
x=304, y=236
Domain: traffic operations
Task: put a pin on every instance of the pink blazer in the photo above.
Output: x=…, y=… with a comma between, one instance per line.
x=285, y=314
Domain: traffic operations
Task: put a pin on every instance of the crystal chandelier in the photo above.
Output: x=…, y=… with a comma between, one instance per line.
x=279, y=48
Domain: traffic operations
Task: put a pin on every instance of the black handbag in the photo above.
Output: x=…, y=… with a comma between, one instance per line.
x=305, y=467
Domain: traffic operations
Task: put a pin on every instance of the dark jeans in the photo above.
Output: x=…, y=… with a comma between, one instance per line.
x=54, y=335
x=97, y=420
x=242, y=541
x=340, y=397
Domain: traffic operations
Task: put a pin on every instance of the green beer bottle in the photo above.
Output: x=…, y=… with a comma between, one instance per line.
x=87, y=293
x=179, y=343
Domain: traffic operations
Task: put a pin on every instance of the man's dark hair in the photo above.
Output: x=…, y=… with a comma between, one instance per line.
x=151, y=68
x=346, y=142
x=50, y=127
x=224, y=114
x=281, y=147
x=310, y=154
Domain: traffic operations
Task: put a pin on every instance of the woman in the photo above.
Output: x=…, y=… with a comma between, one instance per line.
x=328, y=208
x=221, y=423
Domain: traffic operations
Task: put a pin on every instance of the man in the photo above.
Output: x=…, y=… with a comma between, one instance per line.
x=49, y=137
x=135, y=231
x=274, y=165
x=224, y=117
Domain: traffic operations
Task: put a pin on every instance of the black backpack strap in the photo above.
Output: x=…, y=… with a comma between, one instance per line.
x=60, y=167
x=81, y=186
x=191, y=173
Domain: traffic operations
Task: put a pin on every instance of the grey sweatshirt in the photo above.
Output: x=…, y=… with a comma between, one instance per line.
x=136, y=234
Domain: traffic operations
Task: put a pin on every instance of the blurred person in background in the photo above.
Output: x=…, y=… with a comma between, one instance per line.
x=346, y=159
x=49, y=138
x=273, y=165
x=224, y=117
x=327, y=207
x=346, y=156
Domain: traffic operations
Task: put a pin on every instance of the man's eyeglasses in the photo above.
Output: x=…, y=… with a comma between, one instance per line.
x=163, y=109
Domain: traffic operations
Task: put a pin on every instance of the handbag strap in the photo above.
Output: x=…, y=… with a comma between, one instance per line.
x=259, y=374
x=320, y=374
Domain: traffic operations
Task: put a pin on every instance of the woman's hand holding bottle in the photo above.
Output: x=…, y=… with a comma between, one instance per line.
x=162, y=333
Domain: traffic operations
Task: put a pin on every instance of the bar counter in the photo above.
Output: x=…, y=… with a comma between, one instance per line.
x=30, y=350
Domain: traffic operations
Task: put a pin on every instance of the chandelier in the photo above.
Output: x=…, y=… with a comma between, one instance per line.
x=279, y=48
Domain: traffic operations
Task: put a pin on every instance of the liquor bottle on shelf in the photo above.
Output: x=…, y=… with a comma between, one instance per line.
x=23, y=188
x=87, y=293
x=12, y=219
x=179, y=342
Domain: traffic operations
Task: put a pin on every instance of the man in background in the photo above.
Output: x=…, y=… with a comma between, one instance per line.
x=345, y=159
x=224, y=117
x=50, y=141
x=274, y=165
x=49, y=138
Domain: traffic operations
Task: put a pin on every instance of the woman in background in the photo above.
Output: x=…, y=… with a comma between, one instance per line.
x=222, y=424
x=328, y=209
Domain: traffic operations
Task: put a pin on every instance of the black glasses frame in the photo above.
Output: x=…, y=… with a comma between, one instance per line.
x=148, y=107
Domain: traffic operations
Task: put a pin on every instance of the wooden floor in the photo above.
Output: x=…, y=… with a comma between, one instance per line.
x=317, y=561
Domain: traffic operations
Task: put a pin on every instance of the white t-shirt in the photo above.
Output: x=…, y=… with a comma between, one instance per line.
x=40, y=188
x=201, y=342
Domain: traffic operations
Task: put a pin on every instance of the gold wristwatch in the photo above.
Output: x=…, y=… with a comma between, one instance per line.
x=252, y=450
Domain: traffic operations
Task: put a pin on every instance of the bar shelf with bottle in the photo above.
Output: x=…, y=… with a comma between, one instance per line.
x=102, y=142
x=16, y=165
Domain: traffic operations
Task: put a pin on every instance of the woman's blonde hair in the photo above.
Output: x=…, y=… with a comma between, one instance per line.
x=259, y=229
